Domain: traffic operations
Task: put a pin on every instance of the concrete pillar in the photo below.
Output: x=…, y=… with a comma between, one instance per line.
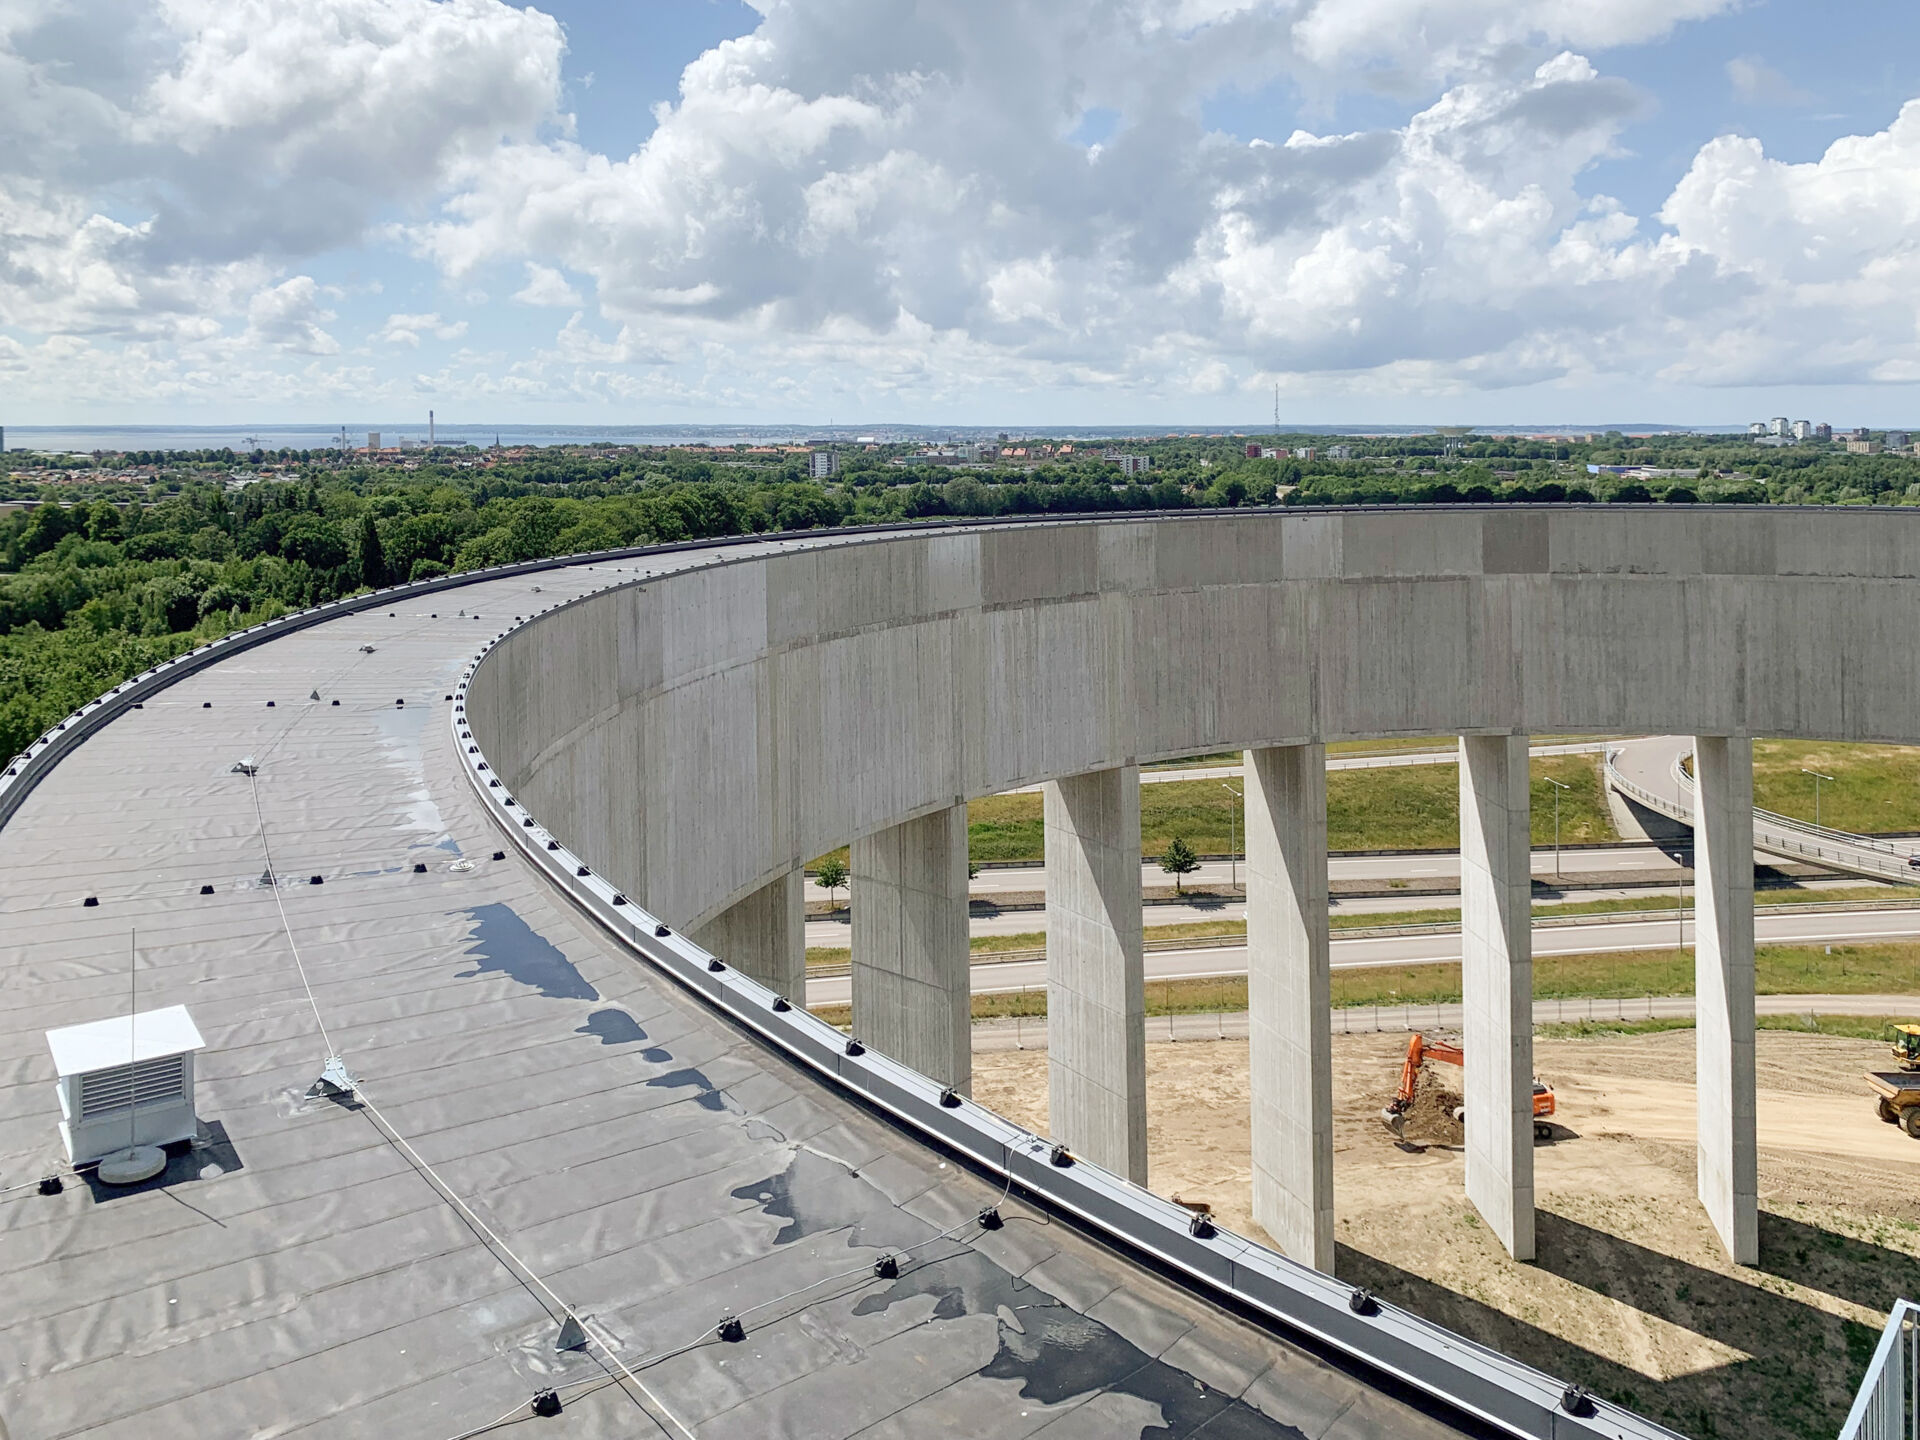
x=911, y=994
x=1496, y=984
x=764, y=936
x=1096, y=1010
x=1728, y=1164
x=1287, y=1000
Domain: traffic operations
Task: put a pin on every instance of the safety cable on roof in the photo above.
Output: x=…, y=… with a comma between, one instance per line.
x=598, y=1341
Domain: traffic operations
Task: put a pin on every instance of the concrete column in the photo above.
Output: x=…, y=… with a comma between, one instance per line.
x=1496, y=984
x=764, y=936
x=1096, y=1011
x=1728, y=1166
x=1287, y=1000
x=911, y=997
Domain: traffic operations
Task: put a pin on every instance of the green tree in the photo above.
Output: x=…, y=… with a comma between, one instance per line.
x=831, y=872
x=373, y=560
x=318, y=542
x=1179, y=860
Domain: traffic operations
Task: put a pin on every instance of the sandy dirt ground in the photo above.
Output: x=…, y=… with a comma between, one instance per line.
x=1631, y=1293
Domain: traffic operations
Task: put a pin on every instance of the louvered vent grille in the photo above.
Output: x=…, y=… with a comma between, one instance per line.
x=147, y=1083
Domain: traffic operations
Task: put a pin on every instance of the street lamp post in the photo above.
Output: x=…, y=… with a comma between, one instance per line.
x=1817, y=778
x=1233, y=860
x=1557, y=788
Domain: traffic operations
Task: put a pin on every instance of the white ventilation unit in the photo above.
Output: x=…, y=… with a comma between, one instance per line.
x=125, y=1081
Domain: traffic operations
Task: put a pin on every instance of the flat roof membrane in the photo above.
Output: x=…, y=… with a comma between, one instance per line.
x=298, y=1272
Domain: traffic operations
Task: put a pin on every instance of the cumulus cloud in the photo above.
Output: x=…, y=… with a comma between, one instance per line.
x=289, y=316
x=407, y=330
x=235, y=136
x=1813, y=280
x=1441, y=37
x=799, y=189
x=859, y=203
x=547, y=286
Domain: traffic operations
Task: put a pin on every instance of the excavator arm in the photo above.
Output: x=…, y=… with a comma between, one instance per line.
x=1419, y=1050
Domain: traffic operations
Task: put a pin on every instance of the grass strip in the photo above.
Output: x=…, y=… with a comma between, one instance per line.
x=1409, y=807
x=1891, y=968
x=1405, y=807
x=1871, y=788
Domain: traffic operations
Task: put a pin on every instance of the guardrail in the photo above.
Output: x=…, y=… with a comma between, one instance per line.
x=1471, y=1378
x=1887, y=1406
x=1779, y=834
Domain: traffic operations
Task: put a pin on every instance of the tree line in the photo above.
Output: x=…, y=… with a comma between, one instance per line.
x=94, y=591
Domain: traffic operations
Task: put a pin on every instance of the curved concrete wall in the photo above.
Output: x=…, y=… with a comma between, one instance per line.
x=705, y=733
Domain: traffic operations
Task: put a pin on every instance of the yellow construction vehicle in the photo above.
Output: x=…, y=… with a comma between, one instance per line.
x=1899, y=1103
x=1420, y=1049
x=1906, y=1046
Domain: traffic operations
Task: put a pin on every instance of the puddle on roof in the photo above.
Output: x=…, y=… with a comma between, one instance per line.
x=709, y=1097
x=505, y=944
x=401, y=734
x=615, y=1027
x=1055, y=1353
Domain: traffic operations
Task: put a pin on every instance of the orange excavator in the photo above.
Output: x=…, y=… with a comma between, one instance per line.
x=1420, y=1049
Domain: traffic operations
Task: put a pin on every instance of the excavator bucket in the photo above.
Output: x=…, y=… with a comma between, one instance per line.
x=1395, y=1121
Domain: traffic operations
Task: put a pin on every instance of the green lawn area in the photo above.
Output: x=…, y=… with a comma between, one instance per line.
x=1874, y=787
x=1892, y=968
x=1415, y=807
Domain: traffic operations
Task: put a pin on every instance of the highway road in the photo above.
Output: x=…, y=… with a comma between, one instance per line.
x=824, y=932
x=1398, y=866
x=1850, y=927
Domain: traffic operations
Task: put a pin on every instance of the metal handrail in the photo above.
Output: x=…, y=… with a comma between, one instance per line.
x=1887, y=1406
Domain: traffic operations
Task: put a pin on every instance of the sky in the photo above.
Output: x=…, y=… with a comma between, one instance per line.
x=1007, y=212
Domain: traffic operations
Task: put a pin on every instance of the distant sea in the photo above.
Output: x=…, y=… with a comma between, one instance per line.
x=84, y=439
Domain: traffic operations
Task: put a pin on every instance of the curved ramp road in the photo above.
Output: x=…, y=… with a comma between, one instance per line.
x=1647, y=771
x=296, y=1273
